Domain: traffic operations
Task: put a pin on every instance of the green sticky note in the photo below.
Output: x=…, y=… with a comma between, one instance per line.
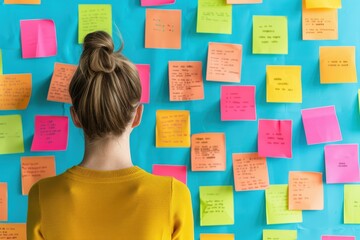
x=279, y=234
x=1, y=66
x=351, y=204
x=94, y=17
x=277, y=207
x=216, y=205
x=270, y=35
x=214, y=16
x=11, y=134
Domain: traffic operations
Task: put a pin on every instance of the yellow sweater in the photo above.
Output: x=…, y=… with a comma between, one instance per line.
x=126, y=204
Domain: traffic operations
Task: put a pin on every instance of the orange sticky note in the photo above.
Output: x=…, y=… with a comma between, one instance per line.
x=208, y=152
x=319, y=24
x=35, y=168
x=3, y=202
x=337, y=65
x=172, y=128
x=205, y=236
x=185, y=81
x=323, y=3
x=224, y=62
x=250, y=172
x=60, y=81
x=22, y=1
x=306, y=191
x=163, y=29
x=243, y=1
x=15, y=91
x=13, y=231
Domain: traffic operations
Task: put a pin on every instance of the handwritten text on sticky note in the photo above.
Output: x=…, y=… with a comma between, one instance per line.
x=15, y=91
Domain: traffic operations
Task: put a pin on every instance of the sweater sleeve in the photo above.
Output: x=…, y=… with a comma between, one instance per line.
x=33, y=227
x=181, y=212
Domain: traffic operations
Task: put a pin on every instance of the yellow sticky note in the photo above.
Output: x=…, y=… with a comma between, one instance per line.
x=351, y=204
x=11, y=134
x=270, y=35
x=216, y=205
x=204, y=236
x=279, y=234
x=94, y=17
x=337, y=65
x=323, y=3
x=277, y=210
x=172, y=128
x=214, y=16
x=1, y=65
x=283, y=84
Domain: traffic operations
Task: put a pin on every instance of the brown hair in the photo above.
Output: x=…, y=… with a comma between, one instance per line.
x=105, y=89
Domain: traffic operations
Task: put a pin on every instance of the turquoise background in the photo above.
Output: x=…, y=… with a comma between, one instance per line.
x=129, y=17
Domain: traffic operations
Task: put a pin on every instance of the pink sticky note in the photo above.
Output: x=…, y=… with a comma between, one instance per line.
x=337, y=238
x=146, y=3
x=178, y=172
x=51, y=133
x=238, y=103
x=275, y=138
x=144, y=73
x=38, y=38
x=342, y=163
x=321, y=125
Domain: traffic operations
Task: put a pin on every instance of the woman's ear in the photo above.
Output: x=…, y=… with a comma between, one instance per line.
x=74, y=117
x=138, y=116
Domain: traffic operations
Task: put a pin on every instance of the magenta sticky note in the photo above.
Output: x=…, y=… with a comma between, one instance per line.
x=321, y=125
x=238, y=103
x=51, y=133
x=144, y=74
x=178, y=172
x=275, y=138
x=342, y=163
x=337, y=237
x=38, y=38
x=146, y=3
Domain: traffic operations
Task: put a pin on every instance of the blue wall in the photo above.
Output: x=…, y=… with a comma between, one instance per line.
x=129, y=17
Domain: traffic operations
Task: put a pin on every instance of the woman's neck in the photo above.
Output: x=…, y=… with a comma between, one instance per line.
x=108, y=154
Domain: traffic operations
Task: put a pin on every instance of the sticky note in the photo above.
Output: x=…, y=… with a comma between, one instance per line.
x=94, y=17
x=283, y=84
x=205, y=236
x=144, y=74
x=172, y=128
x=51, y=133
x=224, y=62
x=60, y=81
x=250, y=172
x=1, y=64
x=342, y=163
x=178, y=172
x=22, y=1
x=270, y=35
x=243, y=1
x=337, y=238
x=319, y=24
x=279, y=235
x=216, y=205
x=185, y=81
x=38, y=38
x=306, y=191
x=13, y=231
x=237, y=103
x=275, y=138
x=321, y=125
x=323, y=3
x=351, y=204
x=163, y=29
x=35, y=168
x=15, y=91
x=11, y=134
x=208, y=152
x=3, y=202
x=147, y=3
x=214, y=16
x=337, y=65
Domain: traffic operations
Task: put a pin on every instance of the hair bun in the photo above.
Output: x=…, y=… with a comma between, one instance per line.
x=99, y=46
